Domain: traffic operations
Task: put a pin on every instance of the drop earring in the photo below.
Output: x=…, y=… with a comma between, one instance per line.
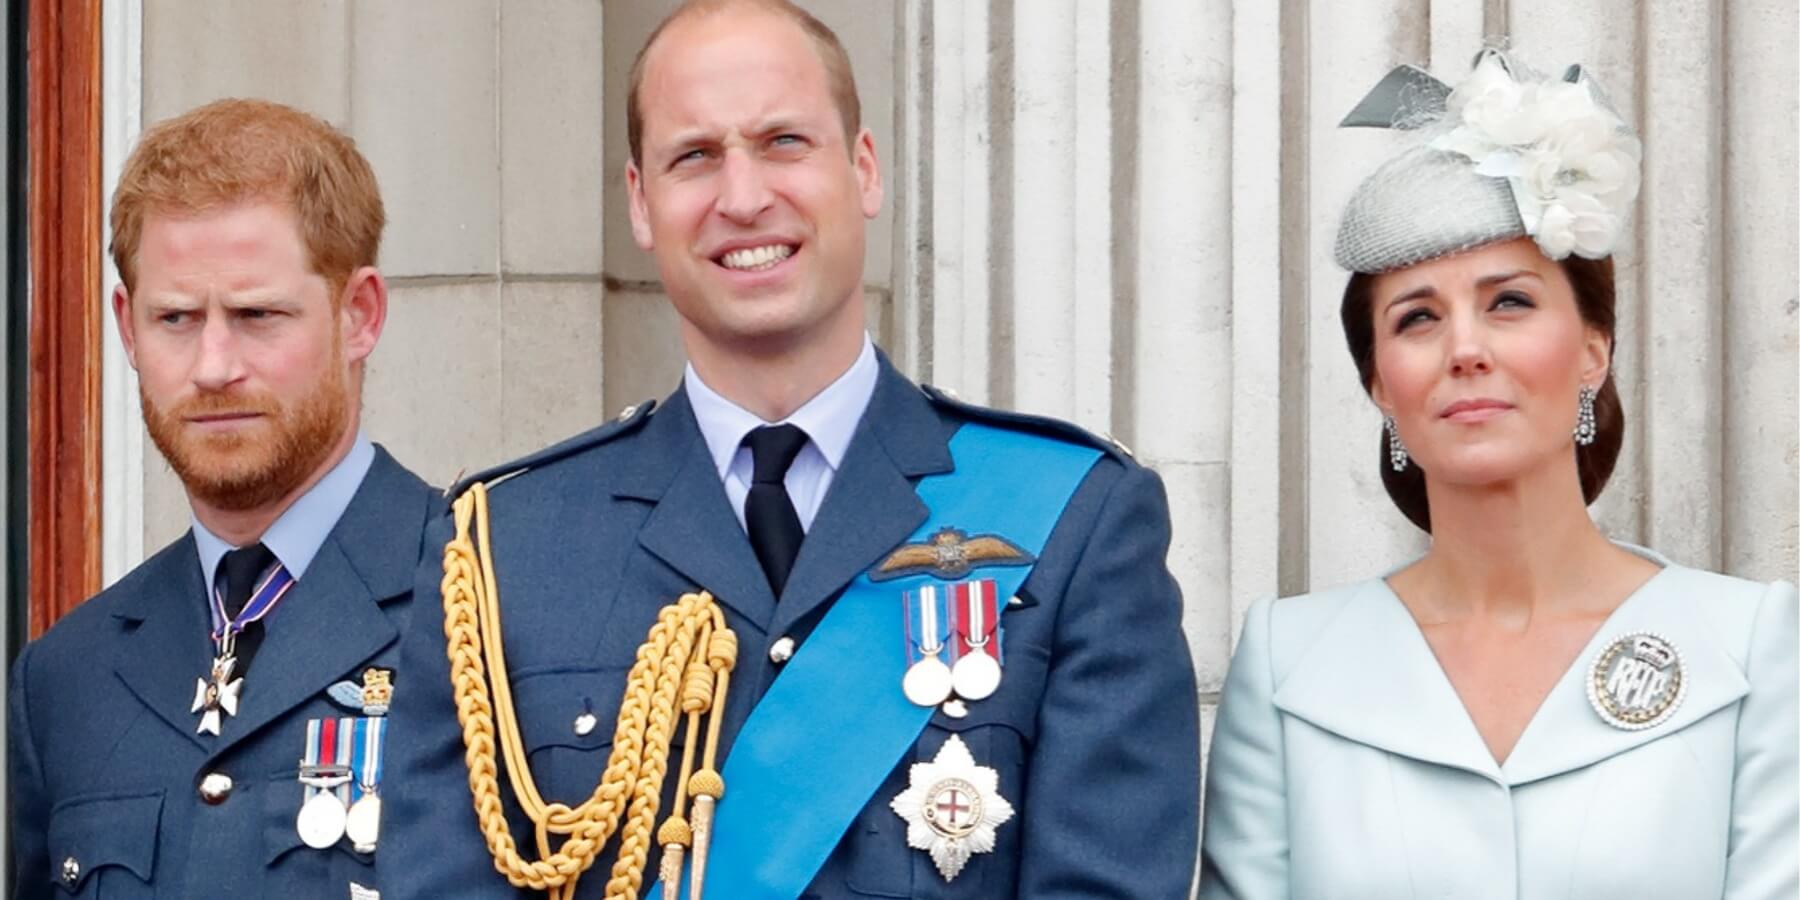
x=1396, y=450
x=1586, y=429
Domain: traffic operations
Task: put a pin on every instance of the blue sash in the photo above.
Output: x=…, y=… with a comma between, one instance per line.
x=835, y=723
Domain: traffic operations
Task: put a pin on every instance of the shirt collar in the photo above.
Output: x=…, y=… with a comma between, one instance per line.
x=829, y=418
x=300, y=530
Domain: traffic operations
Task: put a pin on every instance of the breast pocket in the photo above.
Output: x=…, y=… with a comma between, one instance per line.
x=289, y=860
x=105, y=846
x=566, y=721
x=999, y=733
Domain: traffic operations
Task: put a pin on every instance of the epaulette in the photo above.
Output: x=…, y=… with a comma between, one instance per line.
x=628, y=420
x=1053, y=427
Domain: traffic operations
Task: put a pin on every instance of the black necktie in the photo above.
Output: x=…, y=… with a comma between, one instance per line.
x=769, y=515
x=242, y=570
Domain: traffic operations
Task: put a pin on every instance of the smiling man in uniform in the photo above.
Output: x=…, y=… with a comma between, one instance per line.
x=955, y=666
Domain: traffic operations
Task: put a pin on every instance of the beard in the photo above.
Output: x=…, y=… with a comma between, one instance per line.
x=256, y=466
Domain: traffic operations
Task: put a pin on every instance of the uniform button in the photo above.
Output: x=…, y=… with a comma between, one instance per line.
x=782, y=650
x=584, y=724
x=215, y=787
x=71, y=871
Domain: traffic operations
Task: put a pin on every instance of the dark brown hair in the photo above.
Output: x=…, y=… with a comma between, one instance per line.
x=1592, y=280
x=838, y=76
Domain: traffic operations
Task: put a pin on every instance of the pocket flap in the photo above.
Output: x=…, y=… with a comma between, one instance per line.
x=554, y=707
x=90, y=833
x=1015, y=705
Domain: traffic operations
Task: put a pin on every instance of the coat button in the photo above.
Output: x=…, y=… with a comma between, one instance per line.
x=782, y=650
x=71, y=871
x=584, y=724
x=215, y=787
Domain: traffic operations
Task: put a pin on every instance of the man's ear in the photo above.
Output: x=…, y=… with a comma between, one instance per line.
x=639, y=209
x=363, y=312
x=121, y=304
x=868, y=173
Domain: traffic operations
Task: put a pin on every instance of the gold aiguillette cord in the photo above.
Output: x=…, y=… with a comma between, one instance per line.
x=689, y=652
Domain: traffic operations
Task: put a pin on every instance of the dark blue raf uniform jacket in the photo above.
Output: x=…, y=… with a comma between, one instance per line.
x=105, y=763
x=1093, y=730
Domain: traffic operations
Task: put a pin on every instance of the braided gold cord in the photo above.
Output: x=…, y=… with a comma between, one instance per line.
x=689, y=652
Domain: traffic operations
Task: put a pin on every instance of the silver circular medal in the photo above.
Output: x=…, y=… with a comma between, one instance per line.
x=1637, y=682
x=363, y=824
x=976, y=676
x=321, y=820
x=927, y=683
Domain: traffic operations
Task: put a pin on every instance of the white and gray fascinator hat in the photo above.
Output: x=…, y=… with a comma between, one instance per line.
x=1506, y=153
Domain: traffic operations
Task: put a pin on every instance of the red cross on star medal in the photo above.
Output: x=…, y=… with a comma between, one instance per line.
x=952, y=807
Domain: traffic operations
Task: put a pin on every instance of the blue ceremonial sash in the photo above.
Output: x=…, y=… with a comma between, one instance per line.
x=835, y=723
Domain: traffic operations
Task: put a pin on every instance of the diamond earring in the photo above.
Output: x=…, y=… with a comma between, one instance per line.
x=1586, y=429
x=1396, y=450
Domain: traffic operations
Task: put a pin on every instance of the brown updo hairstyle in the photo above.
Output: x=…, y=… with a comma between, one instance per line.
x=1592, y=280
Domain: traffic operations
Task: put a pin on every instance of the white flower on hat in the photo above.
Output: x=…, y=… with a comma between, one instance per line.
x=1572, y=163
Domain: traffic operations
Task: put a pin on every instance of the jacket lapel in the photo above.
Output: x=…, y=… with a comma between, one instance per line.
x=1373, y=649
x=1567, y=734
x=871, y=506
x=334, y=619
x=165, y=647
x=692, y=527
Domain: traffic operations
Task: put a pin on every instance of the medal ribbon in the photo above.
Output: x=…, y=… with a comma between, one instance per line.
x=262, y=600
x=314, y=728
x=346, y=734
x=927, y=628
x=977, y=619
x=365, y=764
x=792, y=793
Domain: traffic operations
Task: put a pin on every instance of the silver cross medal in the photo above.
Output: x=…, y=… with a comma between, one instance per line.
x=217, y=693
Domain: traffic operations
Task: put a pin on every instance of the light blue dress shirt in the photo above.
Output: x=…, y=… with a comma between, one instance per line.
x=829, y=420
x=297, y=534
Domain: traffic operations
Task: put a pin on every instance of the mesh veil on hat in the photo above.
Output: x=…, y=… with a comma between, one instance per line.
x=1505, y=154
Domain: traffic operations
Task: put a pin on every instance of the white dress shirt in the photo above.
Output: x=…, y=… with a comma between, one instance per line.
x=829, y=420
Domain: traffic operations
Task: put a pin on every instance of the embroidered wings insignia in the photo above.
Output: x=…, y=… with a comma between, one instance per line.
x=950, y=553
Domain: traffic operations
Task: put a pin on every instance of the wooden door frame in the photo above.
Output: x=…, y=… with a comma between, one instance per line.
x=64, y=201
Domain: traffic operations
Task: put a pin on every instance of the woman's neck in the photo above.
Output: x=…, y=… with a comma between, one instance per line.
x=1506, y=553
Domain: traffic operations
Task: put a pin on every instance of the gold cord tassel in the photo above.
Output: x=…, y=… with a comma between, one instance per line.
x=689, y=651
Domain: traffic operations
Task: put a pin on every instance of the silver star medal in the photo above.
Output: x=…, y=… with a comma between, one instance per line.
x=952, y=807
x=217, y=696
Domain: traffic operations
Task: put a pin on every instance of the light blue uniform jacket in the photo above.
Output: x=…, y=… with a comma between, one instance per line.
x=1344, y=765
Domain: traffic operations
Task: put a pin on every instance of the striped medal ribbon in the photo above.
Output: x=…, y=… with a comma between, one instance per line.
x=363, y=824
x=325, y=773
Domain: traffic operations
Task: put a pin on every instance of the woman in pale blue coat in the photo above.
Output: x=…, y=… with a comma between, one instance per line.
x=1529, y=710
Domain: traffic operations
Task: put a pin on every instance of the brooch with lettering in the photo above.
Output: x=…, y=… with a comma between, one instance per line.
x=1637, y=682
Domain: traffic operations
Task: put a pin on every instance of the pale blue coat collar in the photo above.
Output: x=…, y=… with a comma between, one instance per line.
x=1370, y=647
x=297, y=534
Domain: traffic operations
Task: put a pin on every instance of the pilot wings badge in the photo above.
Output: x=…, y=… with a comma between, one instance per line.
x=952, y=807
x=949, y=554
